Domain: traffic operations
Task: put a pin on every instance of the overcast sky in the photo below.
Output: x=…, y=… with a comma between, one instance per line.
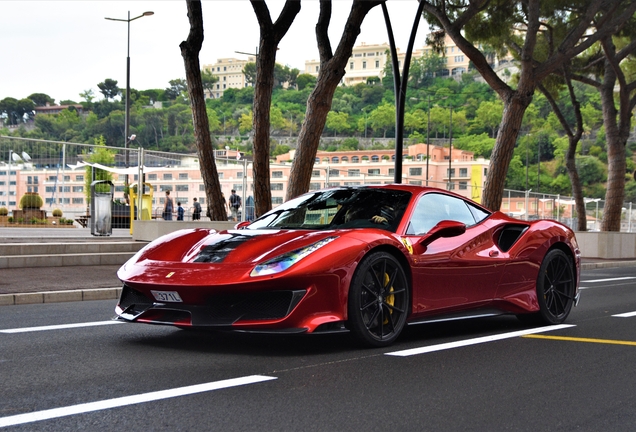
x=63, y=48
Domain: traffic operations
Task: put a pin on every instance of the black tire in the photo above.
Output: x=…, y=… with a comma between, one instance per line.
x=378, y=300
x=555, y=290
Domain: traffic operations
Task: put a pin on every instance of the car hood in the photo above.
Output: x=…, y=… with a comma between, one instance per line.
x=228, y=247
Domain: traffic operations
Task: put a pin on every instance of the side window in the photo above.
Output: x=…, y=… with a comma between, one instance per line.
x=433, y=208
x=478, y=213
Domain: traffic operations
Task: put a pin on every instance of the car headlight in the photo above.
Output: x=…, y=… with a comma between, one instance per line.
x=285, y=261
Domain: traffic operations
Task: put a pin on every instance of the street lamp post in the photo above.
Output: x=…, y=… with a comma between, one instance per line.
x=428, y=134
x=450, y=149
x=127, y=120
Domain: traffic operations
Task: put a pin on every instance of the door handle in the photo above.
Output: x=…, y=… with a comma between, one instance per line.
x=493, y=253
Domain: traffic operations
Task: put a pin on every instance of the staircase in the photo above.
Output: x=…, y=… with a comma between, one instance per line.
x=67, y=253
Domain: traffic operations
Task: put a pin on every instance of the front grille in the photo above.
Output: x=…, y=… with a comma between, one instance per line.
x=253, y=306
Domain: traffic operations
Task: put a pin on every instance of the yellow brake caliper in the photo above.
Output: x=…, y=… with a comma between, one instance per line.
x=390, y=299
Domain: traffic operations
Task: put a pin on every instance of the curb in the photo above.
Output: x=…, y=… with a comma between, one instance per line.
x=611, y=264
x=60, y=296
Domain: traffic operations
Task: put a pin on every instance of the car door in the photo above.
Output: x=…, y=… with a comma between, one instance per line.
x=452, y=272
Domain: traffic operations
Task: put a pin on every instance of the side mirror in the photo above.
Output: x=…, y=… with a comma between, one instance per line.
x=241, y=225
x=445, y=228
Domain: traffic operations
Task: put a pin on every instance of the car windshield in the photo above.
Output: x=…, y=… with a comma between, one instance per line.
x=338, y=208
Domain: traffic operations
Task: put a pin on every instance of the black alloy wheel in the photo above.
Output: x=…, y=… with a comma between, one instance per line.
x=555, y=290
x=378, y=300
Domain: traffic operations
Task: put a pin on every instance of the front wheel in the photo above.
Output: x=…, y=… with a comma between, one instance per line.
x=555, y=290
x=378, y=300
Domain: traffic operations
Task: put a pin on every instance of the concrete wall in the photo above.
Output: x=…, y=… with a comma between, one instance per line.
x=607, y=245
x=148, y=230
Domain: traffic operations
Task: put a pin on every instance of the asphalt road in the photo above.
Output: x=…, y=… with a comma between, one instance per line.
x=478, y=375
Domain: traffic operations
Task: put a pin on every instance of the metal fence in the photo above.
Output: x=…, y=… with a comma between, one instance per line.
x=61, y=173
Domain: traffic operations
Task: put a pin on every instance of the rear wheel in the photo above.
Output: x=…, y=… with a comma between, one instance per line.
x=378, y=300
x=555, y=290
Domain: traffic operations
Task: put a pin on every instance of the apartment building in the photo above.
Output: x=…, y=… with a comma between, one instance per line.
x=64, y=188
x=369, y=61
x=230, y=74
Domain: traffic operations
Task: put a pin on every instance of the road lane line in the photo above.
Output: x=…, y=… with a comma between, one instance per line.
x=609, y=280
x=575, y=339
x=625, y=315
x=59, y=327
x=475, y=341
x=129, y=400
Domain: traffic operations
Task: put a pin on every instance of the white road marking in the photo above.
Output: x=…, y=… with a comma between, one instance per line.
x=625, y=315
x=129, y=400
x=463, y=343
x=609, y=280
x=59, y=327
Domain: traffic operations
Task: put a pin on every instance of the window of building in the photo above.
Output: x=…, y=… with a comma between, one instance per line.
x=237, y=187
x=355, y=159
x=182, y=188
x=335, y=159
x=314, y=186
x=277, y=200
x=463, y=172
x=183, y=176
x=452, y=172
x=201, y=188
x=52, y=178
x=350, y=65
x=463, y=185
x=415, y=171
x=277, y=186
x=315, y=173
x=354, y=173
x=78, y=188
x=164, y=188
x=334, y=173
x=67, y=178
x=277, y=174
x=77, y=178
x=78, y=200
x=364, y=65
x=451, y=186
x=344, y=159
x=239, y=175
x=152, y=177
x=375, y=158
x=373, y=171
x=167, y=176
x=333, y=184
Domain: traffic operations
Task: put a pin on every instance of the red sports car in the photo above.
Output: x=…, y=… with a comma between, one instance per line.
x=368, y=260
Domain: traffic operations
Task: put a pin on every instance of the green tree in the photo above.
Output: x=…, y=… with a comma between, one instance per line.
x=338, y=122
x=305, y=80
x=109, y=88
x=543, y=37
x=41, y=99
x=178, y=88
x=382, y=118
x=489, y=115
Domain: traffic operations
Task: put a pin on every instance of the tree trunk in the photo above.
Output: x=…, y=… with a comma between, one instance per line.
x=270, y=36
x=514, y=109
x=190, y=49
x=332, y=69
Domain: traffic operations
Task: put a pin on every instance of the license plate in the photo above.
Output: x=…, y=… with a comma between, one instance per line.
x=167, y=296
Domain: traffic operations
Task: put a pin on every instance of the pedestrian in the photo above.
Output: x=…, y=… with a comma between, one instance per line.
x=235, y=205
x=196, y=213
x=168, y=207
x=179, y=211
